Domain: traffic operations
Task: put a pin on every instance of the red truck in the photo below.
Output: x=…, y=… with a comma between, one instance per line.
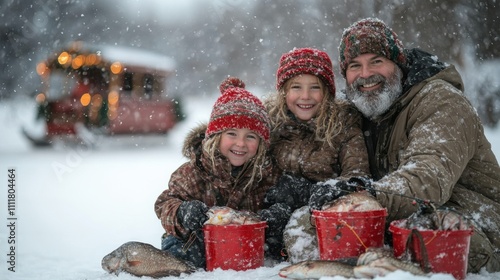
x=104, y=90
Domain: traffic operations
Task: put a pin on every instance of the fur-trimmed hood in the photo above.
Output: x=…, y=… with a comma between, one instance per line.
x=193, y=141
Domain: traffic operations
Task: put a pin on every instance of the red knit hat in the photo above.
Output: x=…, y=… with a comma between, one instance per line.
x=238, y=108
x=306, y=61
x=370, y=35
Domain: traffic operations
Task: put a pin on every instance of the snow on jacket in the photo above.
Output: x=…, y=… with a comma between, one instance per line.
x=296, y=151
x=194, y=180
x=431, y=145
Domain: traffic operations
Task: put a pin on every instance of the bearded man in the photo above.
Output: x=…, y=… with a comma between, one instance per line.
x=424, y=138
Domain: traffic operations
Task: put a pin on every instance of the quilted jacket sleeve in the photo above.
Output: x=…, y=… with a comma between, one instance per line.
x=183, y=185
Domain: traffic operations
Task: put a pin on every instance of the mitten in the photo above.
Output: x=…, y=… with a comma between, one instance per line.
x=322, y=193
x=192, y=214
x=290, y=190
x=277, y=217
x=363, y=183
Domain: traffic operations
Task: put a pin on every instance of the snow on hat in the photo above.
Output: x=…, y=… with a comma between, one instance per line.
x=238, y=108
x=370, y=35
x=305, y=61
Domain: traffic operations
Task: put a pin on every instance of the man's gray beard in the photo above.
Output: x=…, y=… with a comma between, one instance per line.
x=373, y=104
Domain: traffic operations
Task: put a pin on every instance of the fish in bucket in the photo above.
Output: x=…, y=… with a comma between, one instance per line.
x=438, y=239
x=233, y=239
x=349, y=226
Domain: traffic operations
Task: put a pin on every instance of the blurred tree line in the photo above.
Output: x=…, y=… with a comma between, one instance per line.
x=247, y=38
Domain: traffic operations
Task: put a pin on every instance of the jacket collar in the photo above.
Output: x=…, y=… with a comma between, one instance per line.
x=422, y=68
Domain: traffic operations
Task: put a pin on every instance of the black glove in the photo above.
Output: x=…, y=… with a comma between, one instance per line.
x=192, y=214
x=290, y=190
x=363, y=183
x=323, y=192
x=277, y=217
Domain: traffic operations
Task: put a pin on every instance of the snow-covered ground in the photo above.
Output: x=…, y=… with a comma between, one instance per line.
x=74, y=205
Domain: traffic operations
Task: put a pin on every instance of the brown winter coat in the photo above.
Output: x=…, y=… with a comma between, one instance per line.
x=194, y=180
x=431, y=146
x=296, y=151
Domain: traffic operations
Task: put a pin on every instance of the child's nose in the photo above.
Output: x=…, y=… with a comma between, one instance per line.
x=306, y=94
x=240, y=141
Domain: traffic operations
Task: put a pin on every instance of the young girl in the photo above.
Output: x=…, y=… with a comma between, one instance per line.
x=228, y=166
x=314, y=138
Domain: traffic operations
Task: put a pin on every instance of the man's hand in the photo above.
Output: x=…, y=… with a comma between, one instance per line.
x=322, y=193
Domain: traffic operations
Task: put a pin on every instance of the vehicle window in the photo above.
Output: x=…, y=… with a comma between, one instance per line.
x=128, y=83
x=60, y=85
x=148, y=85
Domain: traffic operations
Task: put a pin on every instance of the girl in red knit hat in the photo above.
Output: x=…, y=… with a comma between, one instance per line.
x=228, y=166
x=314, y=138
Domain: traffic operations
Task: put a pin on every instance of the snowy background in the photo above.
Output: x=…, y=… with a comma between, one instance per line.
x=74, y=205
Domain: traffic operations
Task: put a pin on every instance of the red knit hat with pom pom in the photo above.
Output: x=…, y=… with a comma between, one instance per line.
x=306, y=61
x=238, y=108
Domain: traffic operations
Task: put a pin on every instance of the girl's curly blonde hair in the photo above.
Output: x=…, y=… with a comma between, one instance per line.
x=326, y=123
x=211, y=147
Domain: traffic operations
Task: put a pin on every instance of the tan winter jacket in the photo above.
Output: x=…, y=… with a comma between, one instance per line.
x=296, y=151
x=194, y=180
x=436, y=147
x=436, y=150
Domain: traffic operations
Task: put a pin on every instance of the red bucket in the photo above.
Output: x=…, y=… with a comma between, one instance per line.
x=447, y=251
x=348, y=234
x=237, y=247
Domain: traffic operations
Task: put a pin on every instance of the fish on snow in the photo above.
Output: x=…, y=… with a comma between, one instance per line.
x=315, y=269
x=380, y=262
x=142, y=259
x=374, y=262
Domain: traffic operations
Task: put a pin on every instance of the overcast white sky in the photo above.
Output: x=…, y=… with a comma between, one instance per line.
x=179, y=11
